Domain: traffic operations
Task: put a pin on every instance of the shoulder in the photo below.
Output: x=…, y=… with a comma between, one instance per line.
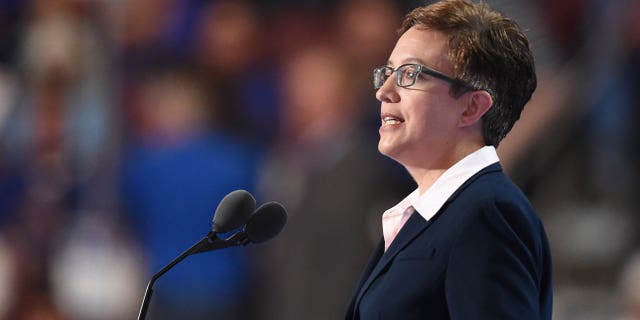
x=492, y=189
x=495, y=194
x=491, y=200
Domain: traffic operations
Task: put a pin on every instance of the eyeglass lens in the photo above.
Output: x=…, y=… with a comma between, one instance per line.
x=406, y=75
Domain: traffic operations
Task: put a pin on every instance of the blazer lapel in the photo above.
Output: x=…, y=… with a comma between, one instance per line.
x=373, y=261
x=412, y=228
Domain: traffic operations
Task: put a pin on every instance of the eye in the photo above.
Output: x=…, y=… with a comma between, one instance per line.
x=408, y=75
x=410, y=72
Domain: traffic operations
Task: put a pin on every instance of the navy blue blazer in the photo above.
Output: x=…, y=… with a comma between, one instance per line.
x=484, y=255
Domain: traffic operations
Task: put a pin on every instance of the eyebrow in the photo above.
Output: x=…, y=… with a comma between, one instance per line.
x=409, y=60
x=416, y=61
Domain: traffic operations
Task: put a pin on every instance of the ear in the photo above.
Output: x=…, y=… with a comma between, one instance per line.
x=478, y=103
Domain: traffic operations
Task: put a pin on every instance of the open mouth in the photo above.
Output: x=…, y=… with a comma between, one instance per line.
x=389, y=119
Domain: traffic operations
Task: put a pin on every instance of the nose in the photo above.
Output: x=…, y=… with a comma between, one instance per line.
x=389, y=91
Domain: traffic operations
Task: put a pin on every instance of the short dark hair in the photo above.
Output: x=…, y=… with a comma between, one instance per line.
x=487, y=50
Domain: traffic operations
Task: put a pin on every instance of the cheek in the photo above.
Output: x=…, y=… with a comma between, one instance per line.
x=434, y=119
x=425, y=113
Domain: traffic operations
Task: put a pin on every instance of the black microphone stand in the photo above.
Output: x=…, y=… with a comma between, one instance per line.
x=208, y=243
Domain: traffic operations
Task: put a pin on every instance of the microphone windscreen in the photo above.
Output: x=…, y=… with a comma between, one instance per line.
x=266, y=222
x=233, y=211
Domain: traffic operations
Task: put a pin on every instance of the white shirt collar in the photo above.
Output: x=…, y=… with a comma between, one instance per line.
x=434, y=198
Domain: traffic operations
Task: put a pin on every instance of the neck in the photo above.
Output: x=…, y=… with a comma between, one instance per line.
x=425, y=178
x=426, y=175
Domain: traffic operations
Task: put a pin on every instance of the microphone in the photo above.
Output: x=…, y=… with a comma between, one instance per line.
x=233, y=211
x=266, y=222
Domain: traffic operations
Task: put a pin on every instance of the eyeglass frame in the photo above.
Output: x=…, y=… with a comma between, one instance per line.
x=420, y=69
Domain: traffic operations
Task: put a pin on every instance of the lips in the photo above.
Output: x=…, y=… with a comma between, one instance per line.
x=390, y=119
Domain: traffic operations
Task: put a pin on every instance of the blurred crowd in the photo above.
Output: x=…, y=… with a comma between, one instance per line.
x=124, y=123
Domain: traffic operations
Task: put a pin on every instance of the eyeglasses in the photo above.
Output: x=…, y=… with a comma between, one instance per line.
x=407, y=74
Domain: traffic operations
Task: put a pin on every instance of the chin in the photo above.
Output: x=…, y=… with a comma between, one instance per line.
x=388, y=151
x=382, y=149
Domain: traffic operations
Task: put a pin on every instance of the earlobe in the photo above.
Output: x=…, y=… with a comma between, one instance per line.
x=478, y=103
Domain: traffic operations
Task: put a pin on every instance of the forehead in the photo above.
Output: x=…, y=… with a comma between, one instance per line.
x=424, y=46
